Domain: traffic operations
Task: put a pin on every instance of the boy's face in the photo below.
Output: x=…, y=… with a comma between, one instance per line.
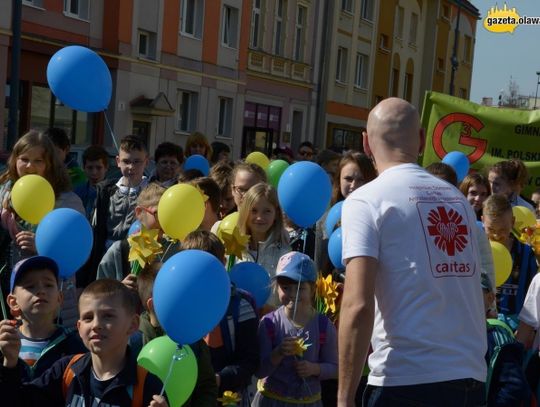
x=132, y=164
x=36, y=295
x=498, y=229
x=167, y=167
x=104, y=325
x=148, y=216
x=95, y=171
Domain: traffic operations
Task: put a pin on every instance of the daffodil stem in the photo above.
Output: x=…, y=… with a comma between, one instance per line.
x=135, y=268
x=230, y=262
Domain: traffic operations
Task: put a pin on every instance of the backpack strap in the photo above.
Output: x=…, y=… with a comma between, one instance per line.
x=138, y=389
x=69, y=374
x=323, y=325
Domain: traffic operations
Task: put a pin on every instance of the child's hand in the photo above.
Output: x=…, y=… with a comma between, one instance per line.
x=305, y=368
x=10, y=342
x=130, y=282
x=158, y=401
x=288, y=346
x=26, y=241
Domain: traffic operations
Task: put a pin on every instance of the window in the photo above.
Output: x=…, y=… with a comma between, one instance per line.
x=279, y=27
x=467, y=49
x=398, y=26
x=367, y=10
x=341, y=67
x=446, y=13
x=230, y=27
x=394, y=82
x=361, y=71
x=147, y=44
x=76, y=8
x=407, y=87
x=192, y=17
x=301, y=13
x=256, y=24
x=384, y=43
x=225, y=117
x=413, y=28
x=186, y=111
x=36, y=3
x=347, y=5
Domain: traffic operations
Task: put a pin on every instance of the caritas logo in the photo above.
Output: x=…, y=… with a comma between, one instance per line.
x=448, y=230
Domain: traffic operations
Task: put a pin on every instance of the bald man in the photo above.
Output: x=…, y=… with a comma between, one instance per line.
x=412, y=278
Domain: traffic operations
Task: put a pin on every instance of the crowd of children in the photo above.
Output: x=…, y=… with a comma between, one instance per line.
x=76, y=343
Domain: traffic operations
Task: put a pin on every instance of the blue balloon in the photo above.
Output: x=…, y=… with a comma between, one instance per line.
x=191, y=294
x=135, y=227
x=65, y=236
x=333, y=217
x=253, y=278
x=480, y=224
x=304, y=192
x=334, y=249
x=197, y=162
x=80, y=79
x=459, y=162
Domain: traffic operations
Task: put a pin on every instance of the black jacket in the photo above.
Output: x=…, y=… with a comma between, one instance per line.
x=46, y=390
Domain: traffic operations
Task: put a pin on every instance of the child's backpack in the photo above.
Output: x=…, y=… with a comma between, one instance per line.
x=135, y=392
x=229, y=324
x=270, y=324
x=506, y=384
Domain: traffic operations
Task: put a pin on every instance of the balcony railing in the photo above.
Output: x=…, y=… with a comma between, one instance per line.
x=275, y=65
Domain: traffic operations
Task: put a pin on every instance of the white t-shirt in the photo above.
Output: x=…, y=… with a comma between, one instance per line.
x=429, y=312
x=530, y=313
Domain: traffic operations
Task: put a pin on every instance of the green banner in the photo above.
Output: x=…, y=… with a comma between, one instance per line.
x=486, y=134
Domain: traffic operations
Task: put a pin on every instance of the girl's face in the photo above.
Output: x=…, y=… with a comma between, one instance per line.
x=476, y=195
x=499, y=184
x=198, y=148
x=243, y=180
x=261, y=217
x=148, y=216
x=287, y=291
x=350, y=178
x=32, y=161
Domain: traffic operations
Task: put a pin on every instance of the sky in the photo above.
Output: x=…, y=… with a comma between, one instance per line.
x=499, y=56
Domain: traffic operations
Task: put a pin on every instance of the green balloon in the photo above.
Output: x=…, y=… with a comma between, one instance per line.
x=156, y=357
x=274, y=171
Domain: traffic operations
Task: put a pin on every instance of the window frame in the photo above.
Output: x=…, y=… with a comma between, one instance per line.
x=299, y=33
x=191, y=108
x=224, y=124
x=197, y=16
x=361, y=71
x=229, y=35
x=68, y=5
x=341, y=65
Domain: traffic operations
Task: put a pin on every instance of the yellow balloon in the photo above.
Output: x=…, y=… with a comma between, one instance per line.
x=258, y=158
x=524, y=217
x=227, y=224
x=502, y=262
x=180, y=210
x=32, y=197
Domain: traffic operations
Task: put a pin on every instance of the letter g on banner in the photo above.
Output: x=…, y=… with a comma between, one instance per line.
x=465, y=137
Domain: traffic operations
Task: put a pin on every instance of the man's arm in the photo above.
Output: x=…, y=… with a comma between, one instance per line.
x=355, y=325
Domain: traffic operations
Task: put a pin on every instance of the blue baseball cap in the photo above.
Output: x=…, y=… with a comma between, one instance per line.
x=296, y=266
x=31, y=263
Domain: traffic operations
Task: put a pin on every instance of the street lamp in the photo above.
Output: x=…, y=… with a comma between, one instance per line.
x=454, y=59
x=537, y=83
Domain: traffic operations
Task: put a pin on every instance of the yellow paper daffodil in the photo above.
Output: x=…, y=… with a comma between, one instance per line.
x=229, y=398
x=300, y=346
x=144, y=246
x=235, y=242
x=328, y=293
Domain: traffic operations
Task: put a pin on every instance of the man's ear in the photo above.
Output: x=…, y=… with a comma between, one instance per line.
x=134, y=324
x=365, y=144
x=14, y=306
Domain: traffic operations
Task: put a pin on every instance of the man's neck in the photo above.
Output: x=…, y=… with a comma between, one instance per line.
x=39, y=329
x=131, y=183
x=107, y=366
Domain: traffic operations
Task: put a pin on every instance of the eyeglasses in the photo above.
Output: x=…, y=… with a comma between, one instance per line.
x=134, y=163
x=239, y=190
x=168, y=163
x=305, y=153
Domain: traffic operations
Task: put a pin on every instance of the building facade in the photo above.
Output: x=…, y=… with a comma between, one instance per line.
x=253, y=74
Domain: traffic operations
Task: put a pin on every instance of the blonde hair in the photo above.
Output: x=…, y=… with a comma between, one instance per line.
x=55, y=172
x=261, y=190
x=198, y=138
x=150, y=195
x=496, y=206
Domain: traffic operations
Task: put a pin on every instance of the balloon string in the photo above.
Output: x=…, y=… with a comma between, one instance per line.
x=178, y=355
x=110, y=130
